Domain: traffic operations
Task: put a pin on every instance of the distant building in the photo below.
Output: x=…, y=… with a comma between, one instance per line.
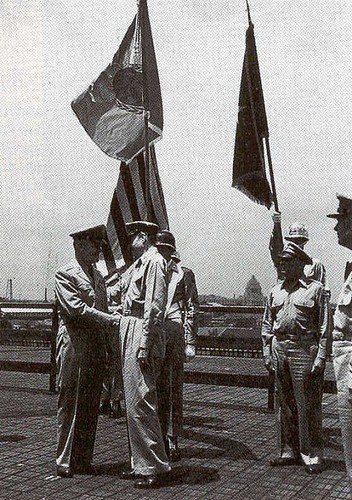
x=253, y=295
x=215, y=300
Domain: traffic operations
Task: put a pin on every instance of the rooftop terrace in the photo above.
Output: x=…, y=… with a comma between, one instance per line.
x=228, y=441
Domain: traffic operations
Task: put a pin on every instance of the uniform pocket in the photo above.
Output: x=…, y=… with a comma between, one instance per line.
x=276, y=306
x=304, y=305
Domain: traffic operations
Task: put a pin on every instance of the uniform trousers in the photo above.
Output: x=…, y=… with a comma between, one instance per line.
x=342, y=357
x=170, y=381
x=80, y=378
x=112, y=383
x=148, y=455
x=298, y=400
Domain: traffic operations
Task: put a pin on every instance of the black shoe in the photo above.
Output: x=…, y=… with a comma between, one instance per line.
x=116, y=410
x=65, y=472
x=314, y=468
x=284, y=461
x=127, y=474
x=104, y=408
x=86, y=470
x=153, y=481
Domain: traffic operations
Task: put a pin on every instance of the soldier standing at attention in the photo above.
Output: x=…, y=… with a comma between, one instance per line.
x=295, y=333
x=181, y=324
x=142, y=340
x=81, y=350
x=342, y=334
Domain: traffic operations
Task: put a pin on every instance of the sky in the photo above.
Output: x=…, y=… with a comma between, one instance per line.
x=54, y=179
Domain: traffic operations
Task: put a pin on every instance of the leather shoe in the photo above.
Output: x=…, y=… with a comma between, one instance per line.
x=314, y=468
x=284, y=461
x=86, y=470
x=65, y=472
x=153, y=481
x=127, y=474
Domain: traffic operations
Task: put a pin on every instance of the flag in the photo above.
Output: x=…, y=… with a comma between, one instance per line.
x=112, y=109
x=252, y=127
x=129, y=204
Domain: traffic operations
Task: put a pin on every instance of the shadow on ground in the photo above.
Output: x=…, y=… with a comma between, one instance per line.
x=179, y=475
x=222, y=446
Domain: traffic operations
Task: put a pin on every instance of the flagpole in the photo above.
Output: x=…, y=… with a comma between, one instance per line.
x=146, y=112
x=271, y=171
x=148, y=199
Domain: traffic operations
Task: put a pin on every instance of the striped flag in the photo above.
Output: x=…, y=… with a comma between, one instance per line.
x=129, y=204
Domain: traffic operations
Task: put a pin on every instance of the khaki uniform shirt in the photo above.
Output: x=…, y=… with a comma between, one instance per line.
x=343, y=313
x=146, y=296
x=296, y=313
x=183, y=304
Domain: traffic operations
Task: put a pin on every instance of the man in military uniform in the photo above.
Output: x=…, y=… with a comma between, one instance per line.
x=342, y=334
x=294, y=333
x=142, y=341
x=297, y=233
x=181, y=324
x=81, y=349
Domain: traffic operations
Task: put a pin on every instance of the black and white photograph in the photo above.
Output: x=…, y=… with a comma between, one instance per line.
x=176, y=236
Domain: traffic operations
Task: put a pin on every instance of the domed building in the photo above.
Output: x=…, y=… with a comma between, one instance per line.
x=253, y=295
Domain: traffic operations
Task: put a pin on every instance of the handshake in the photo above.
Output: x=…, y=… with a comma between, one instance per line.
x=115, y=318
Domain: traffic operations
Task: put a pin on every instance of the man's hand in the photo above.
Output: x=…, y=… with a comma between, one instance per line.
x=190, y=352
x=318, y=367
x=269, y=364
x=143, y=356
x=115, y=318
x=276, y=216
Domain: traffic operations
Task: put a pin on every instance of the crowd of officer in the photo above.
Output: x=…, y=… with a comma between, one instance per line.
x=146, y=338
x=143, y=341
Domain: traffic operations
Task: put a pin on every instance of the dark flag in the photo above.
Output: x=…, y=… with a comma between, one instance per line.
x=252, y=127
x=129, y=203
x=112, y=109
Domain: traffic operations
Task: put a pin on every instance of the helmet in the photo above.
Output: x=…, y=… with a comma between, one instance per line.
x=297, y=230
x=166, y=239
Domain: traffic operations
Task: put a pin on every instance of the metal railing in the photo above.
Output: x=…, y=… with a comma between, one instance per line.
x=32, y=311
x=206, y=345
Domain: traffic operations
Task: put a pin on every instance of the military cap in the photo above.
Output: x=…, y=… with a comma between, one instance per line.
x=166, y=239
x=141, y=225
x=92, y=233
x=292, y=250
x=345, y=207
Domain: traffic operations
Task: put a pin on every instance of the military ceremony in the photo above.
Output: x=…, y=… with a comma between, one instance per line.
x=176, y=278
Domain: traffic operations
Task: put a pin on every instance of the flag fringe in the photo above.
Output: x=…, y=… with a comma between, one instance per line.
x=245, y=191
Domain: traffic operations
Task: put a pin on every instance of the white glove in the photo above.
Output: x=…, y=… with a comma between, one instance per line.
x=190, y=352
